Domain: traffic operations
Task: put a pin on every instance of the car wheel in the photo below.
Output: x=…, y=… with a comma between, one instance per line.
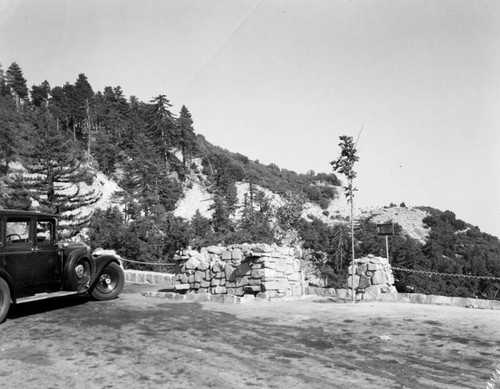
x=110, y=283
x=78, y=272
x=4, y=299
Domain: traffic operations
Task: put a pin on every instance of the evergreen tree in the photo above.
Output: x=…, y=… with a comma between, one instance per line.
x=72, y=105
x=112, y=111
x=135, y=125
x=112, y=119
x=11, y=123
x=40, y=94
x=161, y=127
x=225, y=174
x=221, y=222
x=59, y=107
x=187, y=140
x=141, y=170
x=288, y=216
x=13, y=193
x=54, y=170
x=107, y=230
x=17, y=83
x=71, y=108
x=200, y=231
x=257, y=214
x=83, y=96
x=4, y=89
x=146, y=179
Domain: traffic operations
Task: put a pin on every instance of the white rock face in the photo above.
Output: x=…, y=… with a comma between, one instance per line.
x=410, y=219
x=196, y=198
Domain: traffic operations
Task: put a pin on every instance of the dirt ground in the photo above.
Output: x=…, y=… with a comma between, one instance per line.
x=144, y=342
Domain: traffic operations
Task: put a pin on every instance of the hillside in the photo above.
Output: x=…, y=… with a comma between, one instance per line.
x=197, y=198
x=136, y=177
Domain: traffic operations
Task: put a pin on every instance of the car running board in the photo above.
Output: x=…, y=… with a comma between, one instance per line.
x=44, y=296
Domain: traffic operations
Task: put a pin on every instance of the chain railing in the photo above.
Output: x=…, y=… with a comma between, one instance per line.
x=433, y=273
x=169, y=266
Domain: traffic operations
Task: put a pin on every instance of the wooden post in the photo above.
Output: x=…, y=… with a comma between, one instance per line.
x=387, y=247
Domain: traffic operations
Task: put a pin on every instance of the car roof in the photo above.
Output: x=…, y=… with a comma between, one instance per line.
x=16, y=212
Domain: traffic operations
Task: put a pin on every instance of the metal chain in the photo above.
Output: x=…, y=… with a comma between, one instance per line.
x=148, y=263
x=433, y=273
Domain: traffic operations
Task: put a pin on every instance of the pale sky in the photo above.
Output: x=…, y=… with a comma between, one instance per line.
x=280, y=81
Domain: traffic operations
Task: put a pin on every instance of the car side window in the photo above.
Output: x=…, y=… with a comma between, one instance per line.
x=17, y=231
x=45, y=231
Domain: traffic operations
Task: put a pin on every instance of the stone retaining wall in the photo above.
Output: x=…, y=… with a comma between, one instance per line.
x=372, y=278
x=150, y=278
x=262, y=270
x=168, y=282
x=413, y=298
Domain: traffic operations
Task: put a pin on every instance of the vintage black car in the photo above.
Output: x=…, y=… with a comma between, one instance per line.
x=35, y=266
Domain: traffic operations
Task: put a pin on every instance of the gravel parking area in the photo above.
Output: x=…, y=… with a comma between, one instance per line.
x=146, y=342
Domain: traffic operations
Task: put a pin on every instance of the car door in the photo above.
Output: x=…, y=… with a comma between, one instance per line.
x=18, y=251
x=47, y=260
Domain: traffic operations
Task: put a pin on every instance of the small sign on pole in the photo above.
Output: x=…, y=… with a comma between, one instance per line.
x=385, y=229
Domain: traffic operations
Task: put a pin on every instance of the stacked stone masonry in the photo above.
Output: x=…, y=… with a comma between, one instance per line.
x=265, y=271
x=236, y=273
x=372, y=278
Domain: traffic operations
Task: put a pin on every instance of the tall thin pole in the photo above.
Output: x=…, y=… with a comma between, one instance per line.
x=352, y=242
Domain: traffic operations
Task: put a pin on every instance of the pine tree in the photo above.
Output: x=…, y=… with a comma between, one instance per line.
x=83, y=96
x=161, y=127
x=17, y=83
x=135, y=125
x=55, y=173
x=11, y=123
x=187, y=140
x=59, y=107
x=112, y=117
x=4, y=89
x=40, y=94
x=257, y=214
x=201, y=231
x=72, y=106
x=225, y=174
x=146, y=180
x=13, y=193
x=221, y=221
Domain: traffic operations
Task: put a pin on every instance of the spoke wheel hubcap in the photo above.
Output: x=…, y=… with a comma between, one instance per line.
x=80, y=271
x=105, y=280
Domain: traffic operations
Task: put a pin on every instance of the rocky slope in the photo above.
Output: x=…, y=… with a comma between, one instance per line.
x=410, y=219
x=197, y=198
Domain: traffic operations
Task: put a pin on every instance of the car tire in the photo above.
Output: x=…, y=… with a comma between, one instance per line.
x=4, y=299
x=78, y=273
x=109, y=283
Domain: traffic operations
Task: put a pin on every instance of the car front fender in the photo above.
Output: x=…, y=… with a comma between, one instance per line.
x=101, y=262
x=10, y=282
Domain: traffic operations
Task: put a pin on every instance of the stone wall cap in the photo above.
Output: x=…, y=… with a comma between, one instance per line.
x=216, y=250
x=262, y=248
